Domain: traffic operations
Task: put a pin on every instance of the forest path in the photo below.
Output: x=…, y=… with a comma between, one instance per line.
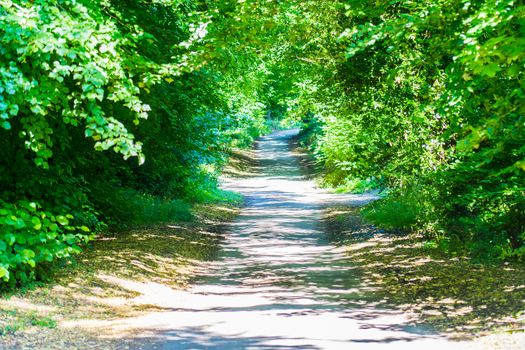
x=279, y=282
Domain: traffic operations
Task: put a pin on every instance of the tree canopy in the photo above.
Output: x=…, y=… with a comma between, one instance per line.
x=105, y=104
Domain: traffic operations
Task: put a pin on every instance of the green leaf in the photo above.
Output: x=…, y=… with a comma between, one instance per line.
x=70, y=238
x=10, y=238
x=46, y=255
x=13, y=110
x=62, y=220
x=45, y=153
x=39, y=161
x=491, y=70
x=28, y=253
x=19, y=223
x=514, y=70
x=4, y=273
x=37, y=224
x=11, y=220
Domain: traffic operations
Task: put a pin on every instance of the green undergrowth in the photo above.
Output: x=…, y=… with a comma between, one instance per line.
x=462, y=226
x=356, y=185
x=167, y=243
x=414, y=210
x=329, y=178
x=127, y=210
x=131, y=208
x=219, y=196
x=391, y=213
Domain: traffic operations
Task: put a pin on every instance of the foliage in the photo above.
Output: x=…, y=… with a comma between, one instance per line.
x=34, y=237
x=424, y=99
x=394, y=213
x=429, y=101
x=132, y=77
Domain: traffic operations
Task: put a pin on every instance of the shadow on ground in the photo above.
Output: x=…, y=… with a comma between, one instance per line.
x=280, y=279
x=279, y=282
x=101, y=284
x=449, y=293
x=284, y=281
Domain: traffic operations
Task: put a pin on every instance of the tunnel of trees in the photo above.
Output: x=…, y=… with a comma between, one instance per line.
x=110, y=106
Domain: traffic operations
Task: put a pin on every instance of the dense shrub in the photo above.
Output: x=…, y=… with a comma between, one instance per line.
x=431, y=103
x=81, y=77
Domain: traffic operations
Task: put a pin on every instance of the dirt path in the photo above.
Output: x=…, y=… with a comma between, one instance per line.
x=297, y=269
x=279, y=283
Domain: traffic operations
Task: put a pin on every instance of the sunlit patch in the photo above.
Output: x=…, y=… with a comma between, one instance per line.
x=21, y=304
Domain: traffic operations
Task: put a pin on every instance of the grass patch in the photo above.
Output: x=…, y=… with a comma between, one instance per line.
x=392, y=213
x=219, y=196
x=43, y=321
x=129, y=208
x=356, y=185
x=13, y=320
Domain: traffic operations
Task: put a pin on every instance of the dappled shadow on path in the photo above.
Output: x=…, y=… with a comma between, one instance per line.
x=284, y=279
x=278, y=282
x=281, y=278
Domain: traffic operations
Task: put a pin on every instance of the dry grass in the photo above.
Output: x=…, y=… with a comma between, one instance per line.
x=108, y=281
x=448, y=293
x=242, y=163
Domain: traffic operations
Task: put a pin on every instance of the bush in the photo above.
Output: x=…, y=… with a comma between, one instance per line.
x=31, y=237
x=393, y=213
